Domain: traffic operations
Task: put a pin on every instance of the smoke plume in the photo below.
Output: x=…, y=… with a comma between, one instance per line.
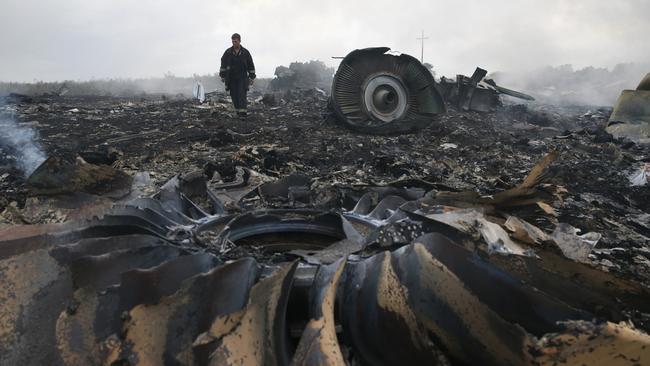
x=563, y=85
x=20, y=142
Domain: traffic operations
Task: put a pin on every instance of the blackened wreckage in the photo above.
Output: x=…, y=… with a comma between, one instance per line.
x=507, y=237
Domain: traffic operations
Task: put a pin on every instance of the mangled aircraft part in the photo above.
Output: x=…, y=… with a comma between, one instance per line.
x=645, y=83
x=256, y=334
x=168, y=329
x=375, y=302
x=279, y=231
x=125, y=288
x=375, y=92
x=510, y=92
x=434, y=295
x=318, y=344
x=476, y=93
x=631, y=115
x=101, y=322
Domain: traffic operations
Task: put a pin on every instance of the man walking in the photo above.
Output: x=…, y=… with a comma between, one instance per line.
x=237, y=72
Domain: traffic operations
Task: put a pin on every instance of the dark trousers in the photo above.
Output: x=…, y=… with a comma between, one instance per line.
x=238, y=89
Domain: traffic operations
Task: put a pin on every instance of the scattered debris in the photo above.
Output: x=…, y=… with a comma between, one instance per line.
x=574, y=246
x=642, y=176
x=449, y=146
x=399, y=297
x=458, y=244
x=525, y=232
x=470, y=221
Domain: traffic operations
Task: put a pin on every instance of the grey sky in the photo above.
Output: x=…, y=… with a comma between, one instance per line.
x=81, y=39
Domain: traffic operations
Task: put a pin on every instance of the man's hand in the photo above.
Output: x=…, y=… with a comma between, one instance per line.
x=251, y=81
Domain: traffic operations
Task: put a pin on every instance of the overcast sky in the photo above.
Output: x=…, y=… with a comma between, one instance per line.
x=82, y=39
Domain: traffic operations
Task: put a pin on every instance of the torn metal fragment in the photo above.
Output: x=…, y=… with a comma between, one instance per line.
x=318, y=344
x=410, y=300
x=286, y=188
x=473, y=222
x=165, y=332
x=476, y=93
x=631, y=115
x=255, y=335
x=574, y=246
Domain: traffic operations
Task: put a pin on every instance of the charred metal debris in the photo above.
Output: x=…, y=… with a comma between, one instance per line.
x=476, y=93
x=631, y=116
x=514, y=236
x=376, y=92
x=403, y=273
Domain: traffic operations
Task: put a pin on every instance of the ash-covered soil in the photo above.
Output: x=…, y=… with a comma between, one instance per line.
x=462, y=151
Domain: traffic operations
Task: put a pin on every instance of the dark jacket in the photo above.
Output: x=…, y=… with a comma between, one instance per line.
x=246, y=66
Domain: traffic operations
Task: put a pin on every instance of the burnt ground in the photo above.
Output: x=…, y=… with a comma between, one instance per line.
x=462, y=151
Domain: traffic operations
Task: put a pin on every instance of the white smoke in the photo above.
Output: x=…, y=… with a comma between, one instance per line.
x=21, y=141
x=564, y=85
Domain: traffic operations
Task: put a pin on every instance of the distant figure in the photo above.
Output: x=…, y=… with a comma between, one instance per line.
x=237, y=72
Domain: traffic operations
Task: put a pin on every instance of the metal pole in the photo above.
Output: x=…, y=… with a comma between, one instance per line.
x=422, y=48
x=422, y=38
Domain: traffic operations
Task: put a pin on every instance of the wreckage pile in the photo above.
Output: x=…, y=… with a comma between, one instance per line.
x=170, y=232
